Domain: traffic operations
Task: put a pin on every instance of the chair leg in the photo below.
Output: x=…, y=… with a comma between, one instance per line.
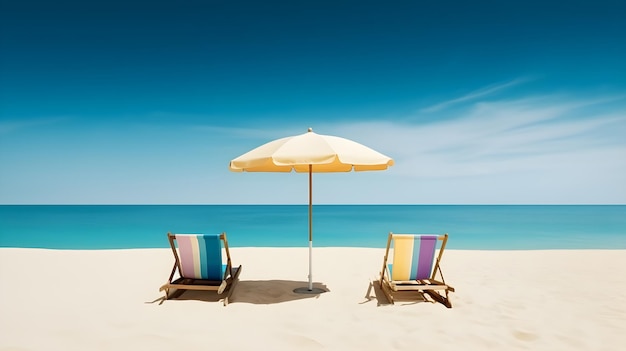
x=386, y=291
x=167, y=291
x=440, y=298
x=231, y=286
x=220, y=290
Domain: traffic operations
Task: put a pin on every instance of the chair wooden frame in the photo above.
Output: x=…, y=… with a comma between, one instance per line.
x=181, y=284
x=430, y=286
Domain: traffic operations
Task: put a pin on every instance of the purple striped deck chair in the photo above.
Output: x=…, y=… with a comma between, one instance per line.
x=414, y=266
x=199, y=265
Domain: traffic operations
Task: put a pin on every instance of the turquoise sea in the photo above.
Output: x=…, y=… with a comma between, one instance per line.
x=509, y=227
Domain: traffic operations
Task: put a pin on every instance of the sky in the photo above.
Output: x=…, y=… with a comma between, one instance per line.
x=477, y=102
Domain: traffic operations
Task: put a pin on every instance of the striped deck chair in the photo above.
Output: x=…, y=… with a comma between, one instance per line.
x=199, y=264
x=412, y=267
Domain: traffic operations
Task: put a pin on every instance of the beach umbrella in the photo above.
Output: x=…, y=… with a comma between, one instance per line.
x=311, y=153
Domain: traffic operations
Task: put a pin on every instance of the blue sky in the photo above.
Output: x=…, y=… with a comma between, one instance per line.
x=482, y=102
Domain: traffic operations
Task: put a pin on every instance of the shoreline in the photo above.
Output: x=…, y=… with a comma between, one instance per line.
x=470, y=227
x=518, y=299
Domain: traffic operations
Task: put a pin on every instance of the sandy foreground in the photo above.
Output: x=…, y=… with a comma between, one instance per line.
x=504, y=300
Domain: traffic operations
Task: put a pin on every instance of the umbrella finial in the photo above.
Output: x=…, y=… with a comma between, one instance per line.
x=310, y=129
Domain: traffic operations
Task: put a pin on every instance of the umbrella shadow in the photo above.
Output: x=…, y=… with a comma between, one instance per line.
x=264, y=292
x=261, y=292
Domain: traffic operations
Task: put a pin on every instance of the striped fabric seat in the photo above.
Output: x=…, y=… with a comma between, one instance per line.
x=199, y=265
x=413, y=256
x=201, y=256
x=414, y=267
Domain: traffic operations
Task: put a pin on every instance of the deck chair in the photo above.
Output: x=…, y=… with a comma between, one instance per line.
x=412, y=268
x=198, y=262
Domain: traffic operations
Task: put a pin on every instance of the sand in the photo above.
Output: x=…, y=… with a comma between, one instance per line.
x=504, y=300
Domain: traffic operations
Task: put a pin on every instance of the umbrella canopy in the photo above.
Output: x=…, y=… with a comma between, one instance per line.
x=312, y=153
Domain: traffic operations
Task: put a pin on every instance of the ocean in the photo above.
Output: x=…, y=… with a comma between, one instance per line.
x=470, y=227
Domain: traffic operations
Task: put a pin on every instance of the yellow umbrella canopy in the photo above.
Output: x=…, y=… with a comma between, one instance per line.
x=325, y=153
x=312, y=153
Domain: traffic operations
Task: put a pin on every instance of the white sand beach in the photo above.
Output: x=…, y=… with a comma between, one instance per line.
x=504, y=300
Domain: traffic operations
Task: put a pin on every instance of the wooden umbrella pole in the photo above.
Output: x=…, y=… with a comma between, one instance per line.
x=310, y=227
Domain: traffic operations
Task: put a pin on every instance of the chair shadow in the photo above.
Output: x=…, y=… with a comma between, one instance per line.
x=400, y=297
x=260, y=292
x=378, y=295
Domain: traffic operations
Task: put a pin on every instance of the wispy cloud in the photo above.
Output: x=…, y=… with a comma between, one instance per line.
x=489, y=90
x=539, y=133
x=10, y=126
x=540, y=149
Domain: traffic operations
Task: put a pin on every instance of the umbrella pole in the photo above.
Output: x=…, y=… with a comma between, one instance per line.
x=310, y=227
x=309, y=289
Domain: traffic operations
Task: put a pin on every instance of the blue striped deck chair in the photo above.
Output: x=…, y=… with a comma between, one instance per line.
x=198, y=265
x=414, y=266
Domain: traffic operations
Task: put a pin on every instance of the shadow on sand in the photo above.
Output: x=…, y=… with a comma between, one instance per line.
x=400, y=297
x=260, y=292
